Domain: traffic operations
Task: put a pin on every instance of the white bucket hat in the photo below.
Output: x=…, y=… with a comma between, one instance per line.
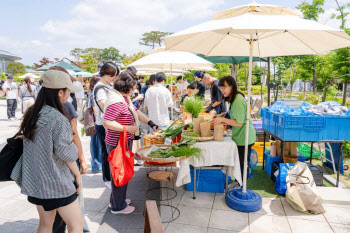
x=56, y=79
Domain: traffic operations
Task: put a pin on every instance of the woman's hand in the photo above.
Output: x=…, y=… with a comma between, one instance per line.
x=84, y=167
x=131, y=129
x=156, y=128
x=218, y=120
x=78, y=180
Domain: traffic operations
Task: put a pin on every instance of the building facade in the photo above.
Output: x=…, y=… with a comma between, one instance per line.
x=6, y=58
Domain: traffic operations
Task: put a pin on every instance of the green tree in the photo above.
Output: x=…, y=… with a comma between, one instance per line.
x=342, y=14
x=326, y=72
x=127, y=60
x=223, y=69
x=311, y=10
x=152, y=38
x=110, y=54
x=76, y=53
x=90, y=63
x=95, y=52
x=16, y=68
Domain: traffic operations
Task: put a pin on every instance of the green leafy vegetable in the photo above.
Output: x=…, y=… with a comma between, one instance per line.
x=194, y=105
x=191, y=134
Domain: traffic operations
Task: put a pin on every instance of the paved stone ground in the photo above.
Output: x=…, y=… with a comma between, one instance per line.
x=208, y=213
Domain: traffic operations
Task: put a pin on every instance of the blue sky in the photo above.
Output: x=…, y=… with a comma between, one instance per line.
x=33, y=29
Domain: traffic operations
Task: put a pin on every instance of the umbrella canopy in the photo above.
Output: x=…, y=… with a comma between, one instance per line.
x=257, y=35
x=273, y=35
x=63, y=64
x=254, y=8
x=84, y=74
x=30, y=75
x=230, y=59
x=172, y=60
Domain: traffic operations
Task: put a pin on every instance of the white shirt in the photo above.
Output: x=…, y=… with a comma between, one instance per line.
x=80, y=94
x=100, y=95
x=12, y=93
x=158, y=100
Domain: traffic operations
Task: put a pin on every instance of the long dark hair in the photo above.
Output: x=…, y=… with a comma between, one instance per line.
x=46, y=96
x=28, y=81
x=232, y=83
x=93, y=81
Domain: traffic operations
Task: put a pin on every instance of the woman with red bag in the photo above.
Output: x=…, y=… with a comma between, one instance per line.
x=120, y=115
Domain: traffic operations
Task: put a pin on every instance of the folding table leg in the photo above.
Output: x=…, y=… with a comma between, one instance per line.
x=338, y=172
x=264, y=151
x=194, y=182
x=226, y=184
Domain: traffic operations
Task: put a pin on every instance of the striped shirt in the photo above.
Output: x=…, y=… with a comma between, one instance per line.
x=120, y=113
x=45, y=174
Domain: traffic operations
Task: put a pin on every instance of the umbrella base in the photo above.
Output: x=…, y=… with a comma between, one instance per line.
x=243, y=202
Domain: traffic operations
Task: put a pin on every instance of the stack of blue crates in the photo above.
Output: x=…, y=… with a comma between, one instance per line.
x=212, y=181
x=306, y=128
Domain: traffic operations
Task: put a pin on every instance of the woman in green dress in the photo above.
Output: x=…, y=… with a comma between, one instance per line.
x=237, y=117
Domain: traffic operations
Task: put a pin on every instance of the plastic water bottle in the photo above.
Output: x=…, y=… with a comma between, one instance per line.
x=273, y=149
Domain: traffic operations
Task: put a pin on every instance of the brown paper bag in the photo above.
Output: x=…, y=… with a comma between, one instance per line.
x=285, y=148
x=293, y=148
x=205, y=129
x=219, y=132
x=196, y=125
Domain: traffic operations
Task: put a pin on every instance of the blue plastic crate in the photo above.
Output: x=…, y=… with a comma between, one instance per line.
x=300, y=128
x=337, y=128
x=212, y=181
x=270, y=159
x=267, y=120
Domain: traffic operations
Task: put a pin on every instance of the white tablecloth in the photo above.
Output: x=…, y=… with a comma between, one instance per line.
x=224, y=153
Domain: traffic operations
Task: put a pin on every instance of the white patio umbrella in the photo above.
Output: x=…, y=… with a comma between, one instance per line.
x=84, y=74
x=30, y=75
x=257, y=34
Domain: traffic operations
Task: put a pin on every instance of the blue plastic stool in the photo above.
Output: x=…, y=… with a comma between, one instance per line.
x=253, y=161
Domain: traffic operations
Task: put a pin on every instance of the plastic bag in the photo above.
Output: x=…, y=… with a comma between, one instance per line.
x=280, y=107
x=281, y=184
x=121, y=161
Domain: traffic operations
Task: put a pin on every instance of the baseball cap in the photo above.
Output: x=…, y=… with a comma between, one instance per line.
x=198, y=74
x=9, y=76
x=56, y=79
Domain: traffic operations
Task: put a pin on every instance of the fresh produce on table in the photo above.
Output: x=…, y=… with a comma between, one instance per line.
x=183, y=148
x=194, y=105
x=172, y=131
x=153, y=138
x=191, y=134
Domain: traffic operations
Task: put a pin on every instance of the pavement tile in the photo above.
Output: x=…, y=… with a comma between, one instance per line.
x=213, y=230
x=268, y=223
x=17, y=227
x=271, y=207
x=176, y=227
x=95, y=204
x=10, y=191
x=302, y=226
x=220, y=202
x=205, y=200
x=168, y=213
x=340, y=228
x=292, y=213
x=3, y=200
x=336, y=215
x=29, y=216
x=229, y=220
x=175, y=201
x=191, y=215
x=12, y=208
x=6, y=183
x=121, y=222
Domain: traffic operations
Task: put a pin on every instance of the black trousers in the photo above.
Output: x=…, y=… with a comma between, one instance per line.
x=11, y=108
x=118, y=194
x=241, y=157
x=106, y=171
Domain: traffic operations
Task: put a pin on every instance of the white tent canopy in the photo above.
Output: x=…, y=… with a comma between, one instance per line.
x=30, y=75
x=172, y=60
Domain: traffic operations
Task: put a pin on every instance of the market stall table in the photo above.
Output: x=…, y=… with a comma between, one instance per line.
x=216, y=155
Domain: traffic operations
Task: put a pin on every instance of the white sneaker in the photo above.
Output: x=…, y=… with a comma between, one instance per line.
x=12, y=119
x=108, y=184
x=128, y=210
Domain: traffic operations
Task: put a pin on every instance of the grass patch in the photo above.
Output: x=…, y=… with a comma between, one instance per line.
x=261, y=182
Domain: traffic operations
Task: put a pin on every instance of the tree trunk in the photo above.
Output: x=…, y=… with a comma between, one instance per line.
x=345, y=87
x=246, y=78
x=291, y=88
x=304, y=88
x=324, y=94
x=314, y=78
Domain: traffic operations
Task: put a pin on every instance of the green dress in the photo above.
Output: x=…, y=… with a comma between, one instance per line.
x=238, y=111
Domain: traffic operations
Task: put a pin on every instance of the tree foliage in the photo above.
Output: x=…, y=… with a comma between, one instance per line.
x=111, y=54
x=89, y=63
x=106, y=54
x=342, y=15
x=16, y=68
x=152, y=38
x=45, y=61
x=311, y=10
x=127, y=60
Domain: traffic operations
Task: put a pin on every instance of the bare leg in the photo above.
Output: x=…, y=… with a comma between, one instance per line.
x=72, y=216
x=46, y=219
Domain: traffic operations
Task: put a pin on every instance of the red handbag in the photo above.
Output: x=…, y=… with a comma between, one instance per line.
x=121, y=161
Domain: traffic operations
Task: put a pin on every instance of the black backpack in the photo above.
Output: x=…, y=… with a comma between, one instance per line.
x=9, y=156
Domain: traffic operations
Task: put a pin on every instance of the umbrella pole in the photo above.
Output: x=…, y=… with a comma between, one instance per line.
x=251, y=48
x=171, y=84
